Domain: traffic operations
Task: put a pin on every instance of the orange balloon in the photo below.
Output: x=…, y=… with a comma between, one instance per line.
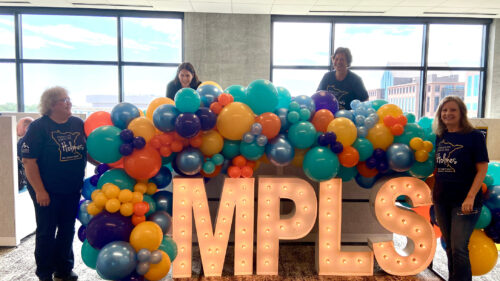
x=234, y=171
x=349, y=157
x=390, y=120
x=397, y=130
x=271, y=124
x=365, y=171
x=96, y=120
x=138, y=219
x=143, y=164
x=117, y=164
x=239, y=161
x=484, y=188
x=225, y=99
x=216, y=107
x=155, y=103
x=159, y=270
x=246, y=172
x=321, y=119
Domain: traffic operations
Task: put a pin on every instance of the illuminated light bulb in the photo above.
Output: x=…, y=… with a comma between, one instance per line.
x=328, y=199
x=209, y=250
x=268, y=201
x=414, y=260
x=329, y=186
x=344, y=261
x=230, y=191
x=268, y=230
x=267, y=246
x=404, y=221
x=197, y=191
x=244, y=187
x=328, y=245
x=417, y=230
x=393, y=186
x=224, y=220
x=421, y=245
x=183, y=232
x=399, y=262
x=244, y=216
x=305, y=209
x=227, y=204
x=183, y=187
x=389, y=214
x=328, y=214
x=419, y=195
x=266, y=262
x=284, y=187
x=200, y=205
x=183, y=217
x=182, y=265
x=220, y=234
x=206, y=235
x=385, y=256
x=242, y=263
x=408, y=185
x=243, y=246
x=382, y=200
x=298, y=224
x=212, y=266
x=327, y=260
x=244, y=201
x=360, y=261
x=282, y=227
x=182, y=249
x=268, y=216
x=202, y=219
x=216, y=250
x=301, y=193
x=268, y=187
x=328, y=229
x=183, y=202
x=243, y=231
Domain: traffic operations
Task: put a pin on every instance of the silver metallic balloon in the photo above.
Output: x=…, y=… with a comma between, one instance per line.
x=156, y=256
x=162, y=219
x=142, y=268
x=144, y=255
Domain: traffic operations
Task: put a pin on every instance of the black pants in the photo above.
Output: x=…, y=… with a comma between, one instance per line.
x=54, y=250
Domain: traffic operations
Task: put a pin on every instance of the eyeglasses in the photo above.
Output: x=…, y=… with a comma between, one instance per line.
x=65, y=100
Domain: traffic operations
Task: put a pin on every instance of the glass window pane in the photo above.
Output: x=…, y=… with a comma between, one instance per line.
x=455, y=45
x=298, y=81
x=142, y=84
x=7, y=38
x=152, y=40
x=69, y=37
x=458, y=83
x=8, y=96
x=91, y=87
x=397, y=87
x=303, y=43
x=381, y=44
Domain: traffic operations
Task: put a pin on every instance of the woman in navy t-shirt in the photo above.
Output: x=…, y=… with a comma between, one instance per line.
x=461, y=165
x=186, y=77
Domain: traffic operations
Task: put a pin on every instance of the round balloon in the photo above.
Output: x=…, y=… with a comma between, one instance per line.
x=280, y=152
x=89, y=254
x=154, y=104
x=380, y=136
x=483, y=253
x=271, y=124
x=169, y=246
x=325, y=100
x=208, y=94
x=108, y=227
x=305, y=102
x=96, y=120
x=321, y=119
x=189, y=161
x=344, y=129
x=163, y=200
x=142, y=127
x=117, y=177
x=261, y=96
x=212, y=143
x=103, y=144
x=187, y=125
x=388, y=110
x=116, y=260
x=143, y=164
x=234, y=120
x=400, y=157
x=146, y=235
x=238, y=93
x=164, y=117
x=284, y=97
x=162, y=219
x=208, y=118
x=159, y=270
x=320, y=164
x=302, y=134
x=187, y=100
x=123, y=113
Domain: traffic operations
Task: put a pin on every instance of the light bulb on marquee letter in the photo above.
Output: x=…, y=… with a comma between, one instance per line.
x=421, y=244
x=330, y=260
x=270, y=228
x=191, y=194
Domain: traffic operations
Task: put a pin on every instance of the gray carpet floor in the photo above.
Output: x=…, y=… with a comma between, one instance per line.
x=18, y=263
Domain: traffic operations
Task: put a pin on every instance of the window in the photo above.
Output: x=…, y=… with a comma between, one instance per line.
x=8, y=96
x=144, y=83
x=7, y=37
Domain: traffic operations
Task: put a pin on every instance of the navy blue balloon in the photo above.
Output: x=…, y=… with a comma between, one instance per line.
x=123, y=113
x=383, y=167
x=164, y=117
x=365, y=182
x=493, y=229
x=116, y=260
x=88, y=188
x=492, y=198
x=208, y=94
x=279, y=151
x=139, y=142
x=127, y=136
x=325, y=100
x=189, y=161
x=126, y=149
x=305, y=102
x=164, y=201
x=332, y=137
x=282, y=114
x=400, y=157
x=379, y=154
x=187, y=125
x=207, y=117
x=102, y=168
x=323, y=140
x=82, y=233
x=108, y=227
x=94, y=180
x=371, y=162
x=162, y=219
x=337, y=147
x=162, y=178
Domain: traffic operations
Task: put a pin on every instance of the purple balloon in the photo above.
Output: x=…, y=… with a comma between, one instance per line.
x=82, y=233
x=332, y=137
x=127, y=136
x=126, y=149
x=187, y=125
x=94, y=179
x=337, y=147
x=139, y=142
x=371, y=162
x=323, y=140
x=207, y=118
x=383, y=166
x=493, y=229
x=379, y=154
x=102, y=168
x=108, y=227
x=325, y=100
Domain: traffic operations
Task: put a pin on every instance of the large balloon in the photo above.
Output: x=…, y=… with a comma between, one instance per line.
x=162, y=219
x=123, y=113
x=143, y=164
x=484, y=218
x=108, y=227
x=238, y=93
x=164, y=201
x=142, y=127
x=159, y=270
x=320, y=164
x=96, y=120
x=344, y=129
x=380, y=136
x=400, y=157
x=483, y=253
x=103, y=144
x=388, y=110
x=231, y=149
x=284, y=97
x=302, y=134
x=364, y=148
x=411, y=130
x=163, y=178
x=146, y=235
x=212, y=143
x=492, y=198
x=279, y=151
x=251, y=151
x=271, y=124
x=234, y=120
x=117, y=177
x=189, y=161
x=321, y=119
x=89, y=254
x=261, y=96
x=325, y=100
x=154, y=104
x=187, y=125
x=422, y=170
x=305, y=102
x=164, y=117
x=187, y=100
x=494, y=171
x=208, y=94
x=116, y=260
x=208, y=118
x=169, y=246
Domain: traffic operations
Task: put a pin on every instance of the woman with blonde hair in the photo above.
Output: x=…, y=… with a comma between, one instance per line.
x=461, y=164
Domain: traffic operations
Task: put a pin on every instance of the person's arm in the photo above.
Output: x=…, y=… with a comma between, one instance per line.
x=35, y=180
x=171, y=90
x=323, y=83
x=468, y=204
x=360, y=90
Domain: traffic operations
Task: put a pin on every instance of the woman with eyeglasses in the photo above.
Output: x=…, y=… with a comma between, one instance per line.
x=461, y=165
x=54, y=156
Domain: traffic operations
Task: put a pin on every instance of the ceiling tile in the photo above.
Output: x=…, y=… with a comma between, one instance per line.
x=375, y=3
x=270, y=2
x=242, y=8
x=337, y=2
x=420, y=3
x=290, y=9
x=211, y=7
x=176, y=6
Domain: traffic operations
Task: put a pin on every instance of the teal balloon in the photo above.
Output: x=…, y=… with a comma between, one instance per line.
x=494, y=171
x=262, y=96
x=484, y=218
x=488, y=180
x=320, y=164
x=117, y=177
x=410, y=117
x=364, y=148
x=425, y=122
x=284, y=97
x=208, y=167
x=347, y=174
x=251, y=151
x=293, y=117
x=123, y=113
x=89, y=254
x=403, y=200
x=365, y=182
x=411, y=130
x=187, y=100
x=231, y=149
x=238, y=92
x=376, y=104
x=422, y=170
x=429, y=136
x=103, y=144
x=151, y=202
x=302, y=134
x=169, y=159
x=169, y=246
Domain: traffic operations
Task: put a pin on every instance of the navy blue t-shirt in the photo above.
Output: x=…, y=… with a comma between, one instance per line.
x=61, y=153
x=347, y=90
x=456, y=157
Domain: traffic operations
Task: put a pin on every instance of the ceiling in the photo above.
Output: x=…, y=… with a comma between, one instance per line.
x=402, y=8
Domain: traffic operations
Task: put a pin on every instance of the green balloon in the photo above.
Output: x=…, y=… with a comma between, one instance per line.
x=484, y=218
x=376, y=104
x=251, y=151
x=261, y=96
x=169, y=246
x=320, y=164
x=302, y=135
x=89, y=254
x=422, y=170
x=117, y=177
x=231, y=148
x=347, y=174
x=103, y=144
x=238, y=92
x=411, y=130
x=425, y=122
x=151, y=202
x=488, y=180
x=410, y=117
x=364, y=148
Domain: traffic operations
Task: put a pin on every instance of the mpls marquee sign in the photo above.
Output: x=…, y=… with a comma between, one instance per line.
x=238, y=196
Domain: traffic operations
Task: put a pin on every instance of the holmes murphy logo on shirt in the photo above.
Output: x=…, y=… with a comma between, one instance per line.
x=444, y=155
x=68, y=147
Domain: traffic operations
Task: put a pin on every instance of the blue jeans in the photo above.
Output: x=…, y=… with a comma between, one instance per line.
x=456, y=230
x=55, y=229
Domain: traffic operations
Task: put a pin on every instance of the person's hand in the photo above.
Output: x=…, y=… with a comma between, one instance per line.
x=43, y=198
x=468, y=205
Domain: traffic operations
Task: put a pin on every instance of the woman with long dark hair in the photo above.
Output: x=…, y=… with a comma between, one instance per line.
x=185, y=77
